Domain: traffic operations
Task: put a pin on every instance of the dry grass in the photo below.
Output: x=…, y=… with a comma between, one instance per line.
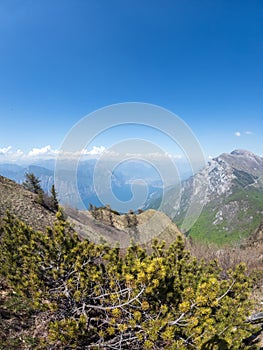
x=229, y=257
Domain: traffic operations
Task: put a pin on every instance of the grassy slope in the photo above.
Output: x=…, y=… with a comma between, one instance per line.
x=248, y=219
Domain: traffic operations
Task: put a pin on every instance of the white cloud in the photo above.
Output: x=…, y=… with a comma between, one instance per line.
x=5, y=150
x=9, y=154
x=176, y=156
x=95, y=151
x=83, y=154
x=18, y=153
x=47, y=152
x=247, y=132
x=148, y=156
x=43, y=151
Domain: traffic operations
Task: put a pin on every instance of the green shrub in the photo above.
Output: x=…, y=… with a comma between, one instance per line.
x=99, y=298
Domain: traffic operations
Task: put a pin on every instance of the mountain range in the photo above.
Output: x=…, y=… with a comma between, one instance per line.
x=122, y=180
x=222, y=203
x=229, y=190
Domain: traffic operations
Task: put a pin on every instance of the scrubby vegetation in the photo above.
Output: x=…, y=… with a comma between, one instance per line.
x=230, y=256
x=74, y=294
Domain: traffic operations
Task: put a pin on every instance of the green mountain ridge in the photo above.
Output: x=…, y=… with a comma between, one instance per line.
x=229, y=191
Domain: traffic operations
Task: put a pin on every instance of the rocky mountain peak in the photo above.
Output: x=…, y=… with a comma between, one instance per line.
x=230, y=192
x=242, y=152
x=242, y=160
x=222, y=174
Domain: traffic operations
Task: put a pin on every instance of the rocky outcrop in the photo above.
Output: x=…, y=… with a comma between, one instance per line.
x=108, y=225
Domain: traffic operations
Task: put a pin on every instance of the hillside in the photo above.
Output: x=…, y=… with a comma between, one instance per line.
x=122, y=229
x=113, y=228
x=24, y=205
x=230, y=190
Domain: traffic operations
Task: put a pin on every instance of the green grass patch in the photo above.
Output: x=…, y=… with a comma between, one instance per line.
x=247, y=220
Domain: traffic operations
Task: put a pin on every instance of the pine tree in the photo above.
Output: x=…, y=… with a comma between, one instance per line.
x=55, y=204
x=32, y=183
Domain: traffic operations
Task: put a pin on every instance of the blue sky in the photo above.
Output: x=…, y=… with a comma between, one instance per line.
x=62, y=59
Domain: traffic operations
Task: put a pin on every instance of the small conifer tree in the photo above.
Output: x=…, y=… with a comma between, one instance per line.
x=55, y=204
x=32, y=183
